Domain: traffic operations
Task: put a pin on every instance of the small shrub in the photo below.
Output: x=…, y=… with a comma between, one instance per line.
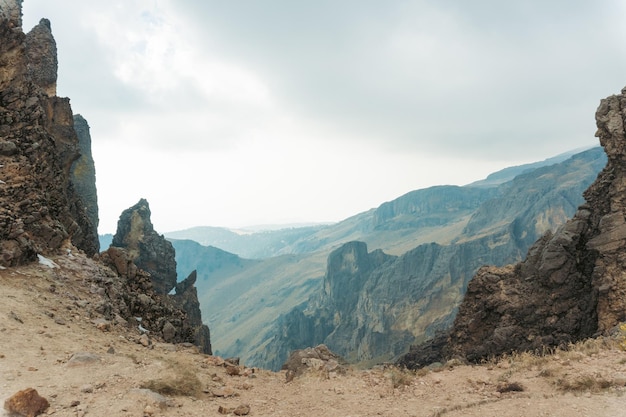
x=509, y=387
x=622, y=336
x=504, y=377
x=401, y=378
x=547, y=373
x=182, y=381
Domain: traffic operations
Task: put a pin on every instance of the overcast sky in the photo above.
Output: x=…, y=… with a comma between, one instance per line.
x=234, y=113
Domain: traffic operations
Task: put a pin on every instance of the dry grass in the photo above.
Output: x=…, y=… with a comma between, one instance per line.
x=554, y=366
x=621, y=337
x=401, y=377
x=459, y=407
x=583, y=383
x=518, y=361
x=182, y=381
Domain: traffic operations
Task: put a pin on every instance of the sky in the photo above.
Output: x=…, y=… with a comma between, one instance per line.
x=239, y=113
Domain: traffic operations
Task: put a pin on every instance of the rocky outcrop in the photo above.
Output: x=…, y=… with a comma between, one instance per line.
x=41, y=50
x=148, y=250
x=132, y=297
x=40, y=211
x=572, y=283
x=319, y=358
x=186, y=298
x=147, y=263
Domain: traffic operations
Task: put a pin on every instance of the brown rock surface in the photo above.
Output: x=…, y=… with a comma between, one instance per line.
x=27, y=403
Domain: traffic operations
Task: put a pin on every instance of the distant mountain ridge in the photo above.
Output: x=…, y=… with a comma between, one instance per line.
x=250, y=244
x=507, y=174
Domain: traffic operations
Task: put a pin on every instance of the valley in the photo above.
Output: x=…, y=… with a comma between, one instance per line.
x=442, y=235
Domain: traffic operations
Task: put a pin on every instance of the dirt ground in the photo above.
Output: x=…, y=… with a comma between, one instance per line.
x=49, y=342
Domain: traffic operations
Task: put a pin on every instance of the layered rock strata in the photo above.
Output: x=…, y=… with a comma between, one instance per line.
x=572, y=284
x=40, y=211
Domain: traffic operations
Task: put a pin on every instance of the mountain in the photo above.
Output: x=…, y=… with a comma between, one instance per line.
x=371, y=306
x=213, y=264
x=509, y=173
x=251, y=244
x=462, y=227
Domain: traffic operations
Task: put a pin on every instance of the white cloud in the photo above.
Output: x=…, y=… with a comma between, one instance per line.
x=231, y=113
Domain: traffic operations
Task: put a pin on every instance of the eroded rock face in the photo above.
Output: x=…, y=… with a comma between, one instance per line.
x=148, y=250
x=83, y=176
x=41, y=50
x=40, y=211
x=572, y=284
x=147, y=263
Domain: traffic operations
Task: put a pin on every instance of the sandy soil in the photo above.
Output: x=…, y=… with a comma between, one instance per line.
x=44, y=321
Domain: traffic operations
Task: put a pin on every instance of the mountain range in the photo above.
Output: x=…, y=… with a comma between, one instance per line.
x=417, y=254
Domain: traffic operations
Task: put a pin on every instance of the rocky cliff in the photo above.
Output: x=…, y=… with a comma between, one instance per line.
x=147, y=263
x=148, y=250
x=83, y=176
x=572, y=283
x=40, y=210
x=371, y=311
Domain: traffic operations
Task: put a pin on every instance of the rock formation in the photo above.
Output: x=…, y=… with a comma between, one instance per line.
x=84, y=177
x=148, y=250
x=572, y=283
x=40, y=210
x=147, y=263
x=186, y=298
x=41, y=50
x=319, y=358
x=27, y=402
